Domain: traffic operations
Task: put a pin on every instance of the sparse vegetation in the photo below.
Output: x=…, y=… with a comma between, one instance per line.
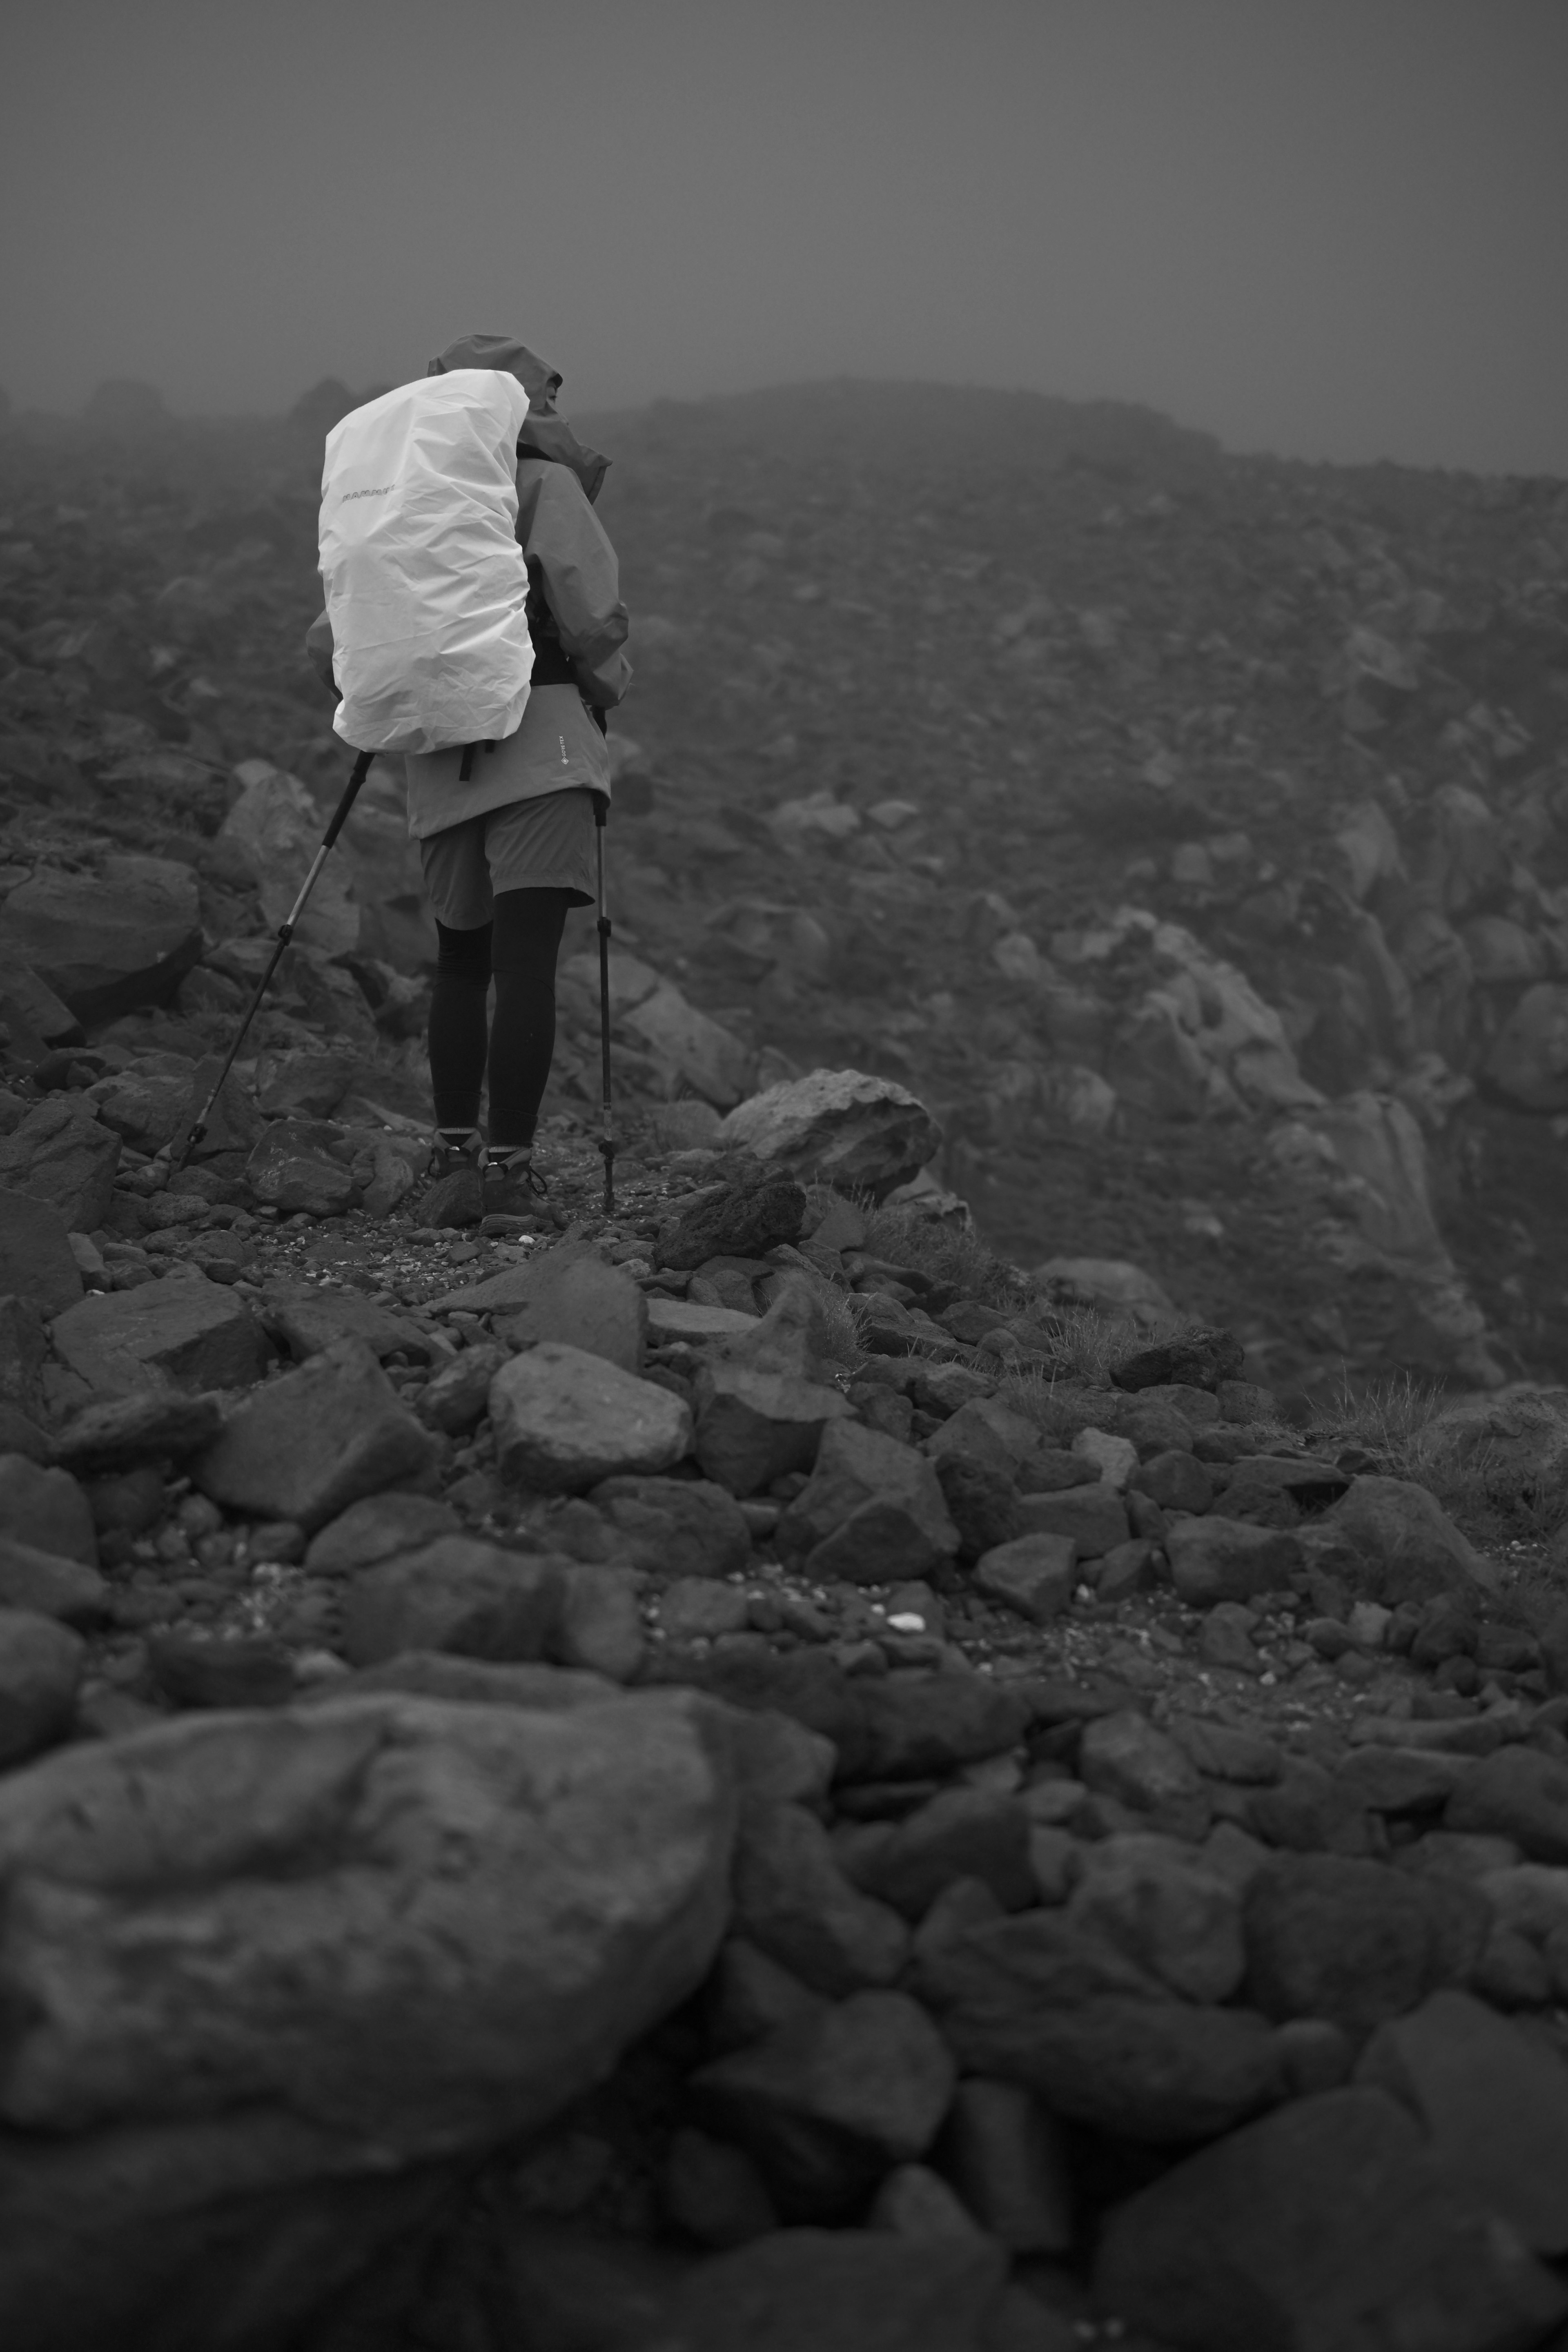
x=944, y=1253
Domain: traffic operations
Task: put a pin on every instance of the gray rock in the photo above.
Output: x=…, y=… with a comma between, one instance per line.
x=1224, y=1751
x=390, y=1933
x=915, y=2203
x=24, y=1353
x=60, y=1155
x=840, y=2291
x=49, y=1583
x=575, y=1298
x=145, y=1108
x=455, y=1594
x=839, y=1128
x=1198, y=1358
x=1126, y=1756
x=1216, y=1558
x=1270, y=1490
x=127, y=1431
x=599, y=1623
x=713, y=2191
x=709, y=1058
x=1011, y=2165
x=36, y=1261
x=46, y=1508
x=1034, y=1575
x=227, y=1669
x=679, y=1527
x=695, y=1607
x=378, y=1528
x=293, y=1170
x=1528, y=1061
x=109, y=942
x=961, y=1833
x=912, y=1726
x=1352, y=1941
x=1519, y=1794
x=827, y=2104
x=309, y=1445
x=40, y=1667
x=1224, y=1638
x=1417, y=1550
x=28, y=1005
x=458, y=1397
x=1176, y=1480
x=871, y=1513
x=178, y=1332
x=742, y=1221
x=564, y=1419
x=1327, y=2223
x=753, y=1427
x=1156, y=1900
x=303, y=1318
x=795, y=1904
x=302, y=1084
x=1094, y=1518
x=1493, y=2103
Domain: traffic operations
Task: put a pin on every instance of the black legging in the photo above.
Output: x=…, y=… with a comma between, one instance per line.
x=520, y=947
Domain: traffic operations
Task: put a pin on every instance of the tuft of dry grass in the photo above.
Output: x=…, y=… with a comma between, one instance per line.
x=943, y=1254
x=1505, y=1482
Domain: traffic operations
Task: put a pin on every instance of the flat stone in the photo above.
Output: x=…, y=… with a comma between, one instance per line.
x=742, y=1221
x=1174, y=1480
x=145, y=1108
x=682, y=1318
x=336, y=2007
x=456, y=1593
x=1327, y=2223
x=1095, y=1518
x=46, y=1508
x=1493, y=2103
x=678, y=1526
x=564, y=1419
x=754, y=1425
x=304, y=1319
x=696, y=1608
x=1216, y=1558
x=314, y=1441
x=837, y=1127
x=1352, y=1941
x=126, y=1431
x=1034, y=1575
x=1126, y=1756
x=378, y=1528
x=871, y=1513
x=1521, y=1793
x=36, y=1261
x=915, y=1726
x=178, y=1332
x=40, y=1667
x=575, y=1297
x=49, y=1583
x=795, y=1904
x=61, y=1156
x=1224, y=1751
x=474, y=1682
x=1012, y=2167
x=109, y=942
x=303, y=1085
x=826, y=2104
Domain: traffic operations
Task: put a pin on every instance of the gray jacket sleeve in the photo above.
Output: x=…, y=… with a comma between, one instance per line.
x=560, y=533
x=319, y=651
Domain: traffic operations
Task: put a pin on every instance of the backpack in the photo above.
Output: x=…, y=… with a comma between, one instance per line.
x=426, y=583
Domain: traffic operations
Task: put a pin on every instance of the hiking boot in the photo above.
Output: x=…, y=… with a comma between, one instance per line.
x=454, y=1193
x=513, y=1185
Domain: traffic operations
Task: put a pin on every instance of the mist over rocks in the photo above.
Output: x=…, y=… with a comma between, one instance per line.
x=1015, y=1788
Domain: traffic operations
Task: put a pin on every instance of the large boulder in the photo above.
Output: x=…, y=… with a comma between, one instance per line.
x=872, y=1511
x=109, y=942
x=61, y=1155
x=839, y=1126
x=271, y=835
x=1328, y=2224
x=694, y=1050
x=275, y=1976
x=180, y=1332
x=1415, y=1549
x=36, y=1261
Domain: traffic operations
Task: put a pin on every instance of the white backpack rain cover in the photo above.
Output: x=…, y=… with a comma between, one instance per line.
x=426, y=583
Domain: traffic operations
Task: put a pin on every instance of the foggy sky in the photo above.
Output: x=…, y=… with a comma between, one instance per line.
x=1333, y=229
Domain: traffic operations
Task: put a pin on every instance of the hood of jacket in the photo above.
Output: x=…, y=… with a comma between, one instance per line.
x=545, y=435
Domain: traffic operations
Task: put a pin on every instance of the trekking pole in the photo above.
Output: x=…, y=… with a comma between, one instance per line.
x=607, y=1139
x=285, y=933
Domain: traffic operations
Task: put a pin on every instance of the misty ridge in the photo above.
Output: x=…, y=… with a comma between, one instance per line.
x=1187, y=829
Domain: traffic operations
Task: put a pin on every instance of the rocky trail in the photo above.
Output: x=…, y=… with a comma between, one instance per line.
x=773, y=1770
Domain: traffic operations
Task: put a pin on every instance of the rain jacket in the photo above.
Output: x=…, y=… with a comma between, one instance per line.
x=576, y=616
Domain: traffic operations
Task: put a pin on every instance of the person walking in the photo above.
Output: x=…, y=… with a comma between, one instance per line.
x=506, y=831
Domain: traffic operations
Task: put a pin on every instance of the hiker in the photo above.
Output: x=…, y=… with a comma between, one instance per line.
x=506, y=853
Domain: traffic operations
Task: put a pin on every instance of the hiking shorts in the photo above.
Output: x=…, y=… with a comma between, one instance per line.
x=543, y=843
